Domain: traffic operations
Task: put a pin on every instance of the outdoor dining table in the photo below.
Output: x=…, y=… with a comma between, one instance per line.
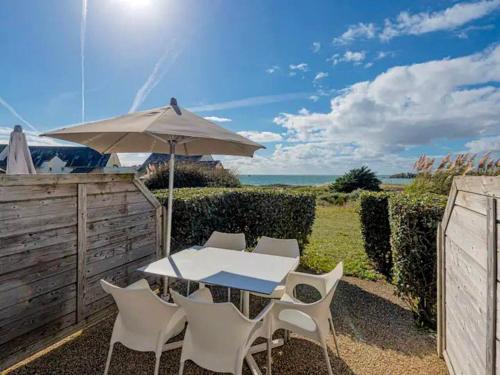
x=249, y=272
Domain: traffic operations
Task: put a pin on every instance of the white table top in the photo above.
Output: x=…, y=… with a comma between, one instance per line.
x=259, y=273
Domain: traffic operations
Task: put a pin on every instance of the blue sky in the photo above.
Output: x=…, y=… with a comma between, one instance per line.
x=325, y=85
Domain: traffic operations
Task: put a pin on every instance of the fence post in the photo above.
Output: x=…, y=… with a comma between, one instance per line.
x=491, y=297
x=441, y=327
x=82, y=251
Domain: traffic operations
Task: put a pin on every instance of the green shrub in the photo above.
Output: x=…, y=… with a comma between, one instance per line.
x=255, y=212
x=360, y=178
x=414, y=220
x=376, y=230
x=338, y=199
x=190, y=175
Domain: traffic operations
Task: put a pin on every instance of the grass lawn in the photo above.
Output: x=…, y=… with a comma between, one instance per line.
x=336, y=237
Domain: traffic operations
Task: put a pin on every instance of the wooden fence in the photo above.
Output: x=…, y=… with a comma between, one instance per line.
x=468, y=277
x=59, y=235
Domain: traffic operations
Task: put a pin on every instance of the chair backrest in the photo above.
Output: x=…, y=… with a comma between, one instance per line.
x=332, y=279
x=139, y=309
x=215, y=334
x=229, y=241
x=276, y=246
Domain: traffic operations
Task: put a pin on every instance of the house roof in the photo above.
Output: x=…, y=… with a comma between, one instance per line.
x=156, y=158
x=75, y=157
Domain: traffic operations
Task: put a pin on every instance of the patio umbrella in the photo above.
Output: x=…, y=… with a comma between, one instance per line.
x=170, y=130
x=18, y=154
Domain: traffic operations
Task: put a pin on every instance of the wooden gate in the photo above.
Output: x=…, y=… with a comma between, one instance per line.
x=59, y=235
x=468, y=277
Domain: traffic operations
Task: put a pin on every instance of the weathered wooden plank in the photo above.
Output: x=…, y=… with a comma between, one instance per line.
x=486, y=185
x=25, y=209
x=468, y=230
x=118, y=211
x=35, y=257
x=110, y=187
x=118, y=260
x=47, y=333
x=112, y=199
x=122, y=276
x=104, y=226
x=449, y=206
x=34, y=305
x=31, y=241
x=472, y=201
x=37, y=223
x=65, y=178
x=24, y=292
x=159, y=226
x=43, y=316
x=147, y=193
x=82, y=250
x=35, y=192
x=491, y=315
x=103, y=253
x=121, y=235
x=41, y=271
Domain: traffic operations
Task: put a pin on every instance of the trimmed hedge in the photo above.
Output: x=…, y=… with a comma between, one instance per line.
x=376, y=230
x=414, y=220
x=255, y=212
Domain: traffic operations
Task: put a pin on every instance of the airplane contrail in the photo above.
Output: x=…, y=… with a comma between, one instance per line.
x=155, y=77
x=14, y=113
x=83, y=28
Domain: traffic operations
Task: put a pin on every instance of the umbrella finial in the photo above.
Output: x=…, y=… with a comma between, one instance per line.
x=173, y=102
x=18, y=128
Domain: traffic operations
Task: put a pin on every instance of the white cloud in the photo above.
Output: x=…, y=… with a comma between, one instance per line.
x=320, y=76
x=464, y=33
x=356, y=57
x=273, y=69
x=316, y=46
x=261, y=137
x=314, y=98
x=294, y=69
x=218, y=119
x=368, y=65
x=447, y=19
x=253, y=101
x=358, y=31
x=408, y=106
x=482, y=145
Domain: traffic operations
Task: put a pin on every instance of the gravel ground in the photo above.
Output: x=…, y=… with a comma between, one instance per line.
x=376, y=336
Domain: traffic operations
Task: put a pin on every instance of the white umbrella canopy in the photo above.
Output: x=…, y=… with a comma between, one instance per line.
x=154, y=130
x=170, y=129
x=18, y=154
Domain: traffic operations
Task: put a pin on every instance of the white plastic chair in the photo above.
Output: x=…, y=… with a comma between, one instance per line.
x=313, y=320
x=218, y=335
x=145, y=322
x=228, y=241
x=280, y=247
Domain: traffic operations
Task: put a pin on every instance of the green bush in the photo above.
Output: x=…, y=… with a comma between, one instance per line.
x=376, y=230
x=414, y=220
x=190, y=175
x=360, y=178
x=255, y=212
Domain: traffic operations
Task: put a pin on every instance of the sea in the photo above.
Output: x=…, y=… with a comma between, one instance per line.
x=303, y=180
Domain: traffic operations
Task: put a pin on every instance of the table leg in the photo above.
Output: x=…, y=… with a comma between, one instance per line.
x=246, y=304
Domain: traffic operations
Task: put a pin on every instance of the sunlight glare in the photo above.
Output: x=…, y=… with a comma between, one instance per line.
x=135, y=5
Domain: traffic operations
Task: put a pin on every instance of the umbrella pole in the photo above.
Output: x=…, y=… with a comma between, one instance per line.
x=169, y=207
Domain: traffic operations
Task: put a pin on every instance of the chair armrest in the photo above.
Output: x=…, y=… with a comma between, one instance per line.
x=296, y=278
x=202, y=295
x=262, y=315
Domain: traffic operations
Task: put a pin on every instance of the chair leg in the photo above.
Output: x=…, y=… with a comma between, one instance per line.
x=108, y=360
x=181, y=368
x=228, y=294
x=334, y=336
x=188, y=288
x=327, y=358
x=157, y=363
x=286, y=336
x=269, y=355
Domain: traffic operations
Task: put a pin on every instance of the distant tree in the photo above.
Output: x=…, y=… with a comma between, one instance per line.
x=358, y=178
